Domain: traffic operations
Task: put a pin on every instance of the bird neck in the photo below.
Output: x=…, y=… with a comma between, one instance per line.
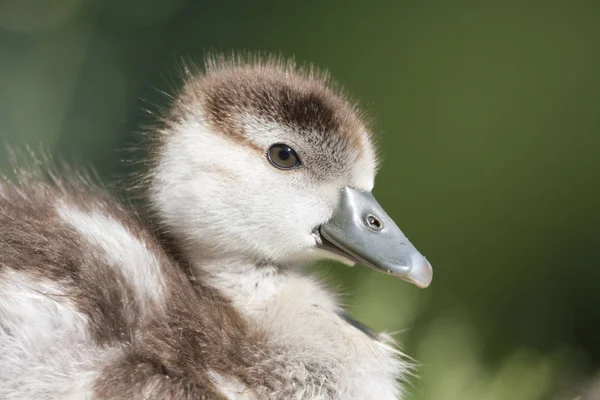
x=305, y=329
x=250, y=286
x=256, y=289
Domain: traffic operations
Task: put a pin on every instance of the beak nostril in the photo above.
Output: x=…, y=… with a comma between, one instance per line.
x=373, y=222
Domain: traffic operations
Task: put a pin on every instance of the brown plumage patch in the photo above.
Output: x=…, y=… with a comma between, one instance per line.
x=302, y=99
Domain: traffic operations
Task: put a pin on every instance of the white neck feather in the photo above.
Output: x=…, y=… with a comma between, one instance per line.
x=260, y=292
x=250, y=288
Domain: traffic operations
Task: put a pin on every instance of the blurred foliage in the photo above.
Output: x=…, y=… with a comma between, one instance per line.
x=489, y=115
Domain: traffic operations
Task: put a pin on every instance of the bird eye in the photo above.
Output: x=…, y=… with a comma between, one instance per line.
x=283, y=156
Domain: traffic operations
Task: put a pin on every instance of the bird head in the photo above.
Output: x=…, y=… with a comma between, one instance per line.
x=263, y=160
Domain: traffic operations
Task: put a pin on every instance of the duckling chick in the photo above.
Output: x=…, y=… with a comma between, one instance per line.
x=259, y=169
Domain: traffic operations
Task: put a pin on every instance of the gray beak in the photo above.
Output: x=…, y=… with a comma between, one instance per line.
x=360, y=230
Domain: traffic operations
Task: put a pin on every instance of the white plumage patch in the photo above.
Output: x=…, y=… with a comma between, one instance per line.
x=46, y=351
x=232, y=201
x=230, y=387
x=129, y=255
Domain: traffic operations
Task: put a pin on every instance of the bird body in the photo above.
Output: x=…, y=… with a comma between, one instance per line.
x=248, y=167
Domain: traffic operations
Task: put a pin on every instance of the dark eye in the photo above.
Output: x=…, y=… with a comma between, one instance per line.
x=283, y=156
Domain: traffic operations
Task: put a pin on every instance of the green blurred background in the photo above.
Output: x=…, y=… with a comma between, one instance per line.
x=489, y=114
